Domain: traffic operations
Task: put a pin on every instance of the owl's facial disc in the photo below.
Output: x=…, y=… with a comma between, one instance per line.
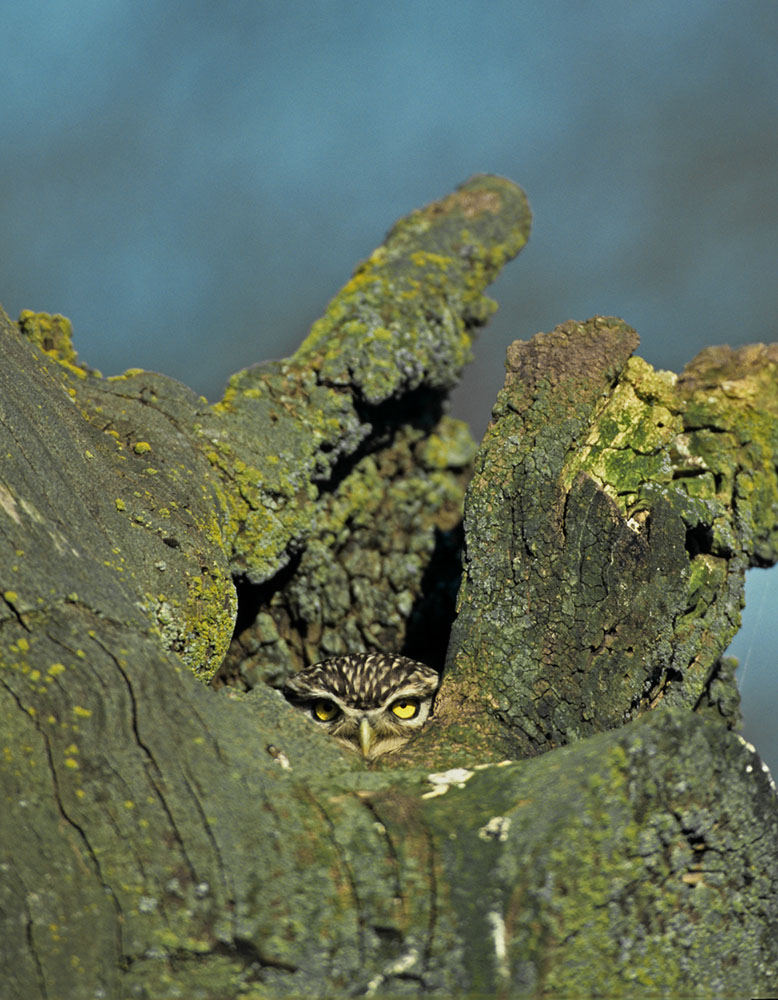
x=372, y=703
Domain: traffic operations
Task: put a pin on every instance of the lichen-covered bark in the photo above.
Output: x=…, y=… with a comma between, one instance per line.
x=278, y=484
x=111, y=506
x=610, y=520
x=162, y=844
x=335, y=529
x=163, y=838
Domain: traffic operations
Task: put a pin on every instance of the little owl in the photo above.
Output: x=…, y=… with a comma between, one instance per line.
x=370, y=702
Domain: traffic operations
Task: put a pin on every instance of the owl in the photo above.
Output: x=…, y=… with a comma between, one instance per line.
x=370, y=702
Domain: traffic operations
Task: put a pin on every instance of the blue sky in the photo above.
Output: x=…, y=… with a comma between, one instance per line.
x=190, y=182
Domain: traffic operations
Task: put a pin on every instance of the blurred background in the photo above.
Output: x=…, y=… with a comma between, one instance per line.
x=190, y=182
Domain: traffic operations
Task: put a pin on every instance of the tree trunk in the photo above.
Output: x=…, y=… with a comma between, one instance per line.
x=579, y=818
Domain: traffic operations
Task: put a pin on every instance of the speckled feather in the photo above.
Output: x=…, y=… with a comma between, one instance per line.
x=365, y=680
x=371, y=703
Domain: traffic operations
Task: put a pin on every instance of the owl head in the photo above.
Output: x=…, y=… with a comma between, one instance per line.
x=370, y=702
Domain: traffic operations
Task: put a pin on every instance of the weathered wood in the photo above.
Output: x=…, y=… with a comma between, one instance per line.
x=613, y=512
x=163, y=838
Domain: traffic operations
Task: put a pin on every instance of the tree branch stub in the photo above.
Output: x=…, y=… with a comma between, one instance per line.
x=164, y=837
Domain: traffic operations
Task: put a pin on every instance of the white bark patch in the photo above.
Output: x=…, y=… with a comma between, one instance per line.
x=750, y=768
x=443, y=780
x=500, y=939
x=497, y=828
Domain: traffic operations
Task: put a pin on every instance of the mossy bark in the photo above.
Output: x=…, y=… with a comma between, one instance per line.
x=163, y=837
x=613, y=512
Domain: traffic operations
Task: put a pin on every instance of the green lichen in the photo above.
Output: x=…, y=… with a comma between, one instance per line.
x=204, y=842
x=373, y=370
x=53, y=334
x=408, y=315
x=663, y=932
x=730, y=412
x=358, y=582
x=605, y=867
x=629, y=440
x=611, y=516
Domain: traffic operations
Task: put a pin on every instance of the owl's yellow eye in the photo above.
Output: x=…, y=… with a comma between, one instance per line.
x=324, y=710
x=406, y=708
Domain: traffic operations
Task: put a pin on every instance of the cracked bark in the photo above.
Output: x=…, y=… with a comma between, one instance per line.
x=605, y=832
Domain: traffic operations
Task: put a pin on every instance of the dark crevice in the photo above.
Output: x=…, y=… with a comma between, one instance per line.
x=390, y=937
x=251, y=955
x=253, y=597
x=209, y=832
x=240, y=948
x=29, y=933
x=429, y=623
x=699, y=540
x=421, y=408
x=431, y=617
x=688, y=472
x=15, y=611
x=80, y=832
x=655, y=685
x=150, y=765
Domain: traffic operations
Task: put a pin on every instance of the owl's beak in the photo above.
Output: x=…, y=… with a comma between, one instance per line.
x=366, y=737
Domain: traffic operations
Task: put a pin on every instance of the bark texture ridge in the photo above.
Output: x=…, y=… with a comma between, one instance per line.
x=579, y=818
x=611, y=517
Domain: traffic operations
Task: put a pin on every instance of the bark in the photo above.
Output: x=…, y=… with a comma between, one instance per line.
x=613, y=512
x=580, y=818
